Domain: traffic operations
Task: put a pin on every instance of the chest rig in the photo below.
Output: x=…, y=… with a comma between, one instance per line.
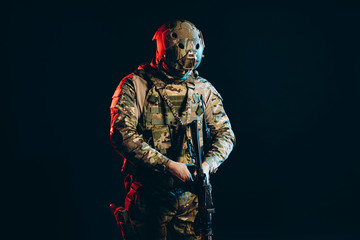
x=162, y=129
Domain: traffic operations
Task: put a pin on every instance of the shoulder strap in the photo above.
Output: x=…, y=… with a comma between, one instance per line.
x=206, y=130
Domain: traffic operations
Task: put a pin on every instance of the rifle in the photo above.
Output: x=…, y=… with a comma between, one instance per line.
x=202, y=188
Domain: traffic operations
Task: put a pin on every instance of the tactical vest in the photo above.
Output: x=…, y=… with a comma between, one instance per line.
x=164, y=133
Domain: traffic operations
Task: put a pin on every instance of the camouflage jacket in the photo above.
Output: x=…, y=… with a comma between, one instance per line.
x=142, y=127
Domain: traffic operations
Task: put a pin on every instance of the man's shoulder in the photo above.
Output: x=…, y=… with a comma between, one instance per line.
x=201, y=80
x=138, y=77
x=202, y=83
x=144, y=70
x=205, y=87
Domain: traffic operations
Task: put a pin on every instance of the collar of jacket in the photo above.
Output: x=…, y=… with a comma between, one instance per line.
x=149, y=72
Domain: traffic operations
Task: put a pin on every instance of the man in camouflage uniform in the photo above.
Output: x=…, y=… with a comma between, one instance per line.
x=146, y=133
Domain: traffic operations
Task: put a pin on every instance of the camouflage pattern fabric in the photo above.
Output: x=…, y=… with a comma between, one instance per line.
x=156, y=214
x=130, y=120
x=146, y=134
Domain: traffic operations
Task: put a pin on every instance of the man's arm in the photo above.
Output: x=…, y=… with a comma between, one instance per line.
x=222, y=136
x=123, y=133
x=128, y=142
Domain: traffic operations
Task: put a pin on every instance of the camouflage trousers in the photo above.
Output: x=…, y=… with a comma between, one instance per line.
x=157, y=213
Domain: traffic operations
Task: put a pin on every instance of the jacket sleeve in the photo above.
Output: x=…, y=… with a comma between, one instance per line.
x=124, y=135
x=222, y=137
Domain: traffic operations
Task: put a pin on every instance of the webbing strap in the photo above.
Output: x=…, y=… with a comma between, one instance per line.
x=164, y=95
x=171, y=106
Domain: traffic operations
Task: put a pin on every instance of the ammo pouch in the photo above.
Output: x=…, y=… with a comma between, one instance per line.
x=123, y=222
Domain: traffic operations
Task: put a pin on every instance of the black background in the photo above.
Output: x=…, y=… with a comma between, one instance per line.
x=289, y=76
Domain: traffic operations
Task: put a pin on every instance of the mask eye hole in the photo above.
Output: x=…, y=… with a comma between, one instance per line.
x=181, y=46
x=174, y=35
x=197, y=46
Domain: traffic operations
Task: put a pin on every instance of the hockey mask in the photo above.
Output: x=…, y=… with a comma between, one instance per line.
x=179, y=48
